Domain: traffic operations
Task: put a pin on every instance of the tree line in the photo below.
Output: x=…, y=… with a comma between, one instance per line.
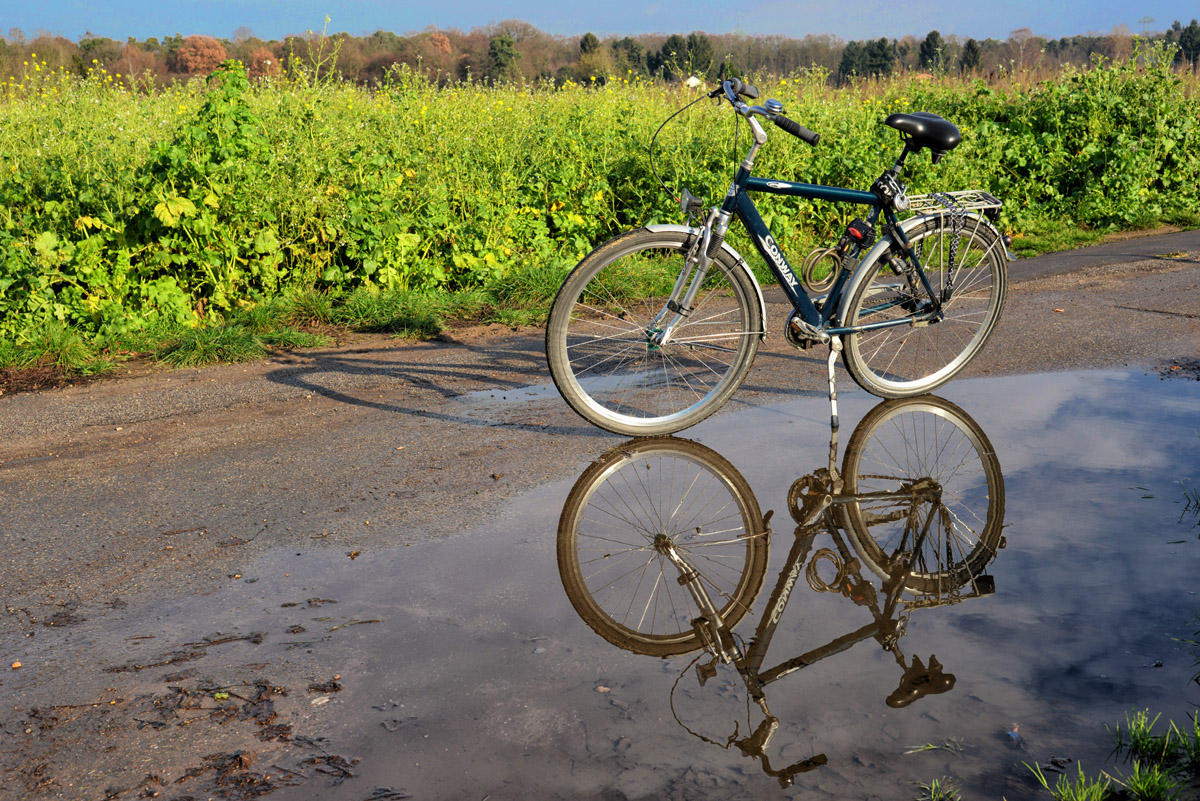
x=514, y=50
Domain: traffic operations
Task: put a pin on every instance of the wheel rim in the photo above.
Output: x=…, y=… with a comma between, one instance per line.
x=621, y=374
x=933, y=444
x=903, y=358
x=620, y=517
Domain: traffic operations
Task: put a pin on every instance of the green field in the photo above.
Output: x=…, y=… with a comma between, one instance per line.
x=133, y=215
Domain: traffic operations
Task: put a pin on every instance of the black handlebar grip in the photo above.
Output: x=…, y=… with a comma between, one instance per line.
x=798, y=130
x=744, y=89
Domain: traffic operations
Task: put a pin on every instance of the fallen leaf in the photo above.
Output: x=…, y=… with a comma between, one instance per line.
x=354, y=554
x=16, y=665
x=1060, y=310
x=603, y=689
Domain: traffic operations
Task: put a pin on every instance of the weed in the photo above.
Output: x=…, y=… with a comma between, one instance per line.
x=225, y=342
x=403, y=313
x=1139, y=742
x=53, y=344
x=1189, y=744
x=1150, y=782
x=1081, y=789
x=309, y=306
x=952, y=744
x=8, y=354
x=942, y=789
x=288, y=338
x=260, y=318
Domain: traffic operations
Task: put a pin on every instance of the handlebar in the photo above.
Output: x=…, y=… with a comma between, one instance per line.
x=734, y=87
x=739, y=87
x=797, y=130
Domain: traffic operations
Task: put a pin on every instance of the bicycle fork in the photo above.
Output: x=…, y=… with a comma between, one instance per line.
x=713, y=624
x=691, y=277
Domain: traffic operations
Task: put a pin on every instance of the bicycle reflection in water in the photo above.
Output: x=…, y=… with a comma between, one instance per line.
x=662, y=548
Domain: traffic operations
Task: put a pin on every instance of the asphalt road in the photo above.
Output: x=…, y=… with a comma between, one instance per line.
x=127, y=493
x=319, y=442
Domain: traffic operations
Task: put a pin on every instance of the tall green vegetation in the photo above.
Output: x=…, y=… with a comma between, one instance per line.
x=123, y=209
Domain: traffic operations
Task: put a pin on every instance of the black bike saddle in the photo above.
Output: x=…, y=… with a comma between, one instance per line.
x=927, y=130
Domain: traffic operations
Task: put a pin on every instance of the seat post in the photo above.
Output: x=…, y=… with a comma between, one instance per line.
x=898, y=167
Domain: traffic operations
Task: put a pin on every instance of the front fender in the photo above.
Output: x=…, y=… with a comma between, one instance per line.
x=738, y=260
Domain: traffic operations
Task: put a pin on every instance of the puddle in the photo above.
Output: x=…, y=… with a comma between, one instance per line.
x=514, y=395
x=1050, y=559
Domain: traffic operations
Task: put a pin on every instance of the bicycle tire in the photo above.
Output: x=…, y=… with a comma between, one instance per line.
x=903, y=361
x=916, y=438
x=597, y=337
x=611, y=518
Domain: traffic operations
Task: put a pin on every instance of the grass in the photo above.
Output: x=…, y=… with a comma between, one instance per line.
x=942, y=789
x=1081, y=788
x=300, y=319
x=1164, y=764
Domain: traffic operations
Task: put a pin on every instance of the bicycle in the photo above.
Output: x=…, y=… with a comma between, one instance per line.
x=907, y=309
x=918, y=503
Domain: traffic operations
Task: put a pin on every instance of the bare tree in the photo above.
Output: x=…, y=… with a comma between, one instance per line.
x=1022, y=42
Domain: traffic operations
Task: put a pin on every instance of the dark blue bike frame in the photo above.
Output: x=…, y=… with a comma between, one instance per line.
x=738, y=202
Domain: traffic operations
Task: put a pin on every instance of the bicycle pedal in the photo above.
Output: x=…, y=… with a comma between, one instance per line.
x=796, y=336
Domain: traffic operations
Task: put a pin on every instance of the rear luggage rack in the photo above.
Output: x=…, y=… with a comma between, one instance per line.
x=951, y=202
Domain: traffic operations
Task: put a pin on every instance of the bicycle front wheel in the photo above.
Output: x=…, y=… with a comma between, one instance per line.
x=626, y=511
x=600, y=338
x=966, y=271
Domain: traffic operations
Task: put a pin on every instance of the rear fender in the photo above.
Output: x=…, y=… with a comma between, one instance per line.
x=866, y=268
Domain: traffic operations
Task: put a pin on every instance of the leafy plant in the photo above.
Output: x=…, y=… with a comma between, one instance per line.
x=123, y=215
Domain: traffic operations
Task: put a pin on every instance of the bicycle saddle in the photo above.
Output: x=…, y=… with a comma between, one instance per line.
x=927, y=130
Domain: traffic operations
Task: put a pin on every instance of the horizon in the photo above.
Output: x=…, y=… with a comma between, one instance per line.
x=275, y=19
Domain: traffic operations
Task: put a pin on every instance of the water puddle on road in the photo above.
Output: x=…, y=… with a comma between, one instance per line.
x=995, y=578
x=514, y=395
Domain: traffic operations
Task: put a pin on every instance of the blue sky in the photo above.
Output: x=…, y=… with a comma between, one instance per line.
x=272, y=19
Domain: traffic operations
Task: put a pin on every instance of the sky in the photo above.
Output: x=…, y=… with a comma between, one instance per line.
x=863, y=19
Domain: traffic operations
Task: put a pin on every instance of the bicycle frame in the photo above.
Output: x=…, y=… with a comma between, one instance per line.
x=749, y=664
x=739, y=203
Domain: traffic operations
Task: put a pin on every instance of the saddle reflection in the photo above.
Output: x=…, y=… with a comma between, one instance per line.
x=662, y=548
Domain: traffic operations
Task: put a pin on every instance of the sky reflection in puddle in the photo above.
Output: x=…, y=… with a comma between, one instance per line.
x=482, y=680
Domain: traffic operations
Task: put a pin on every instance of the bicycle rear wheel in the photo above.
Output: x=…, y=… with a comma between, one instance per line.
x=906, y=360
x=624, y=508
x=599, y=336
x=926, y=442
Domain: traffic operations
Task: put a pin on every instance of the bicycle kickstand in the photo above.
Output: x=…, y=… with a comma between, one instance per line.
x=835, y=347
